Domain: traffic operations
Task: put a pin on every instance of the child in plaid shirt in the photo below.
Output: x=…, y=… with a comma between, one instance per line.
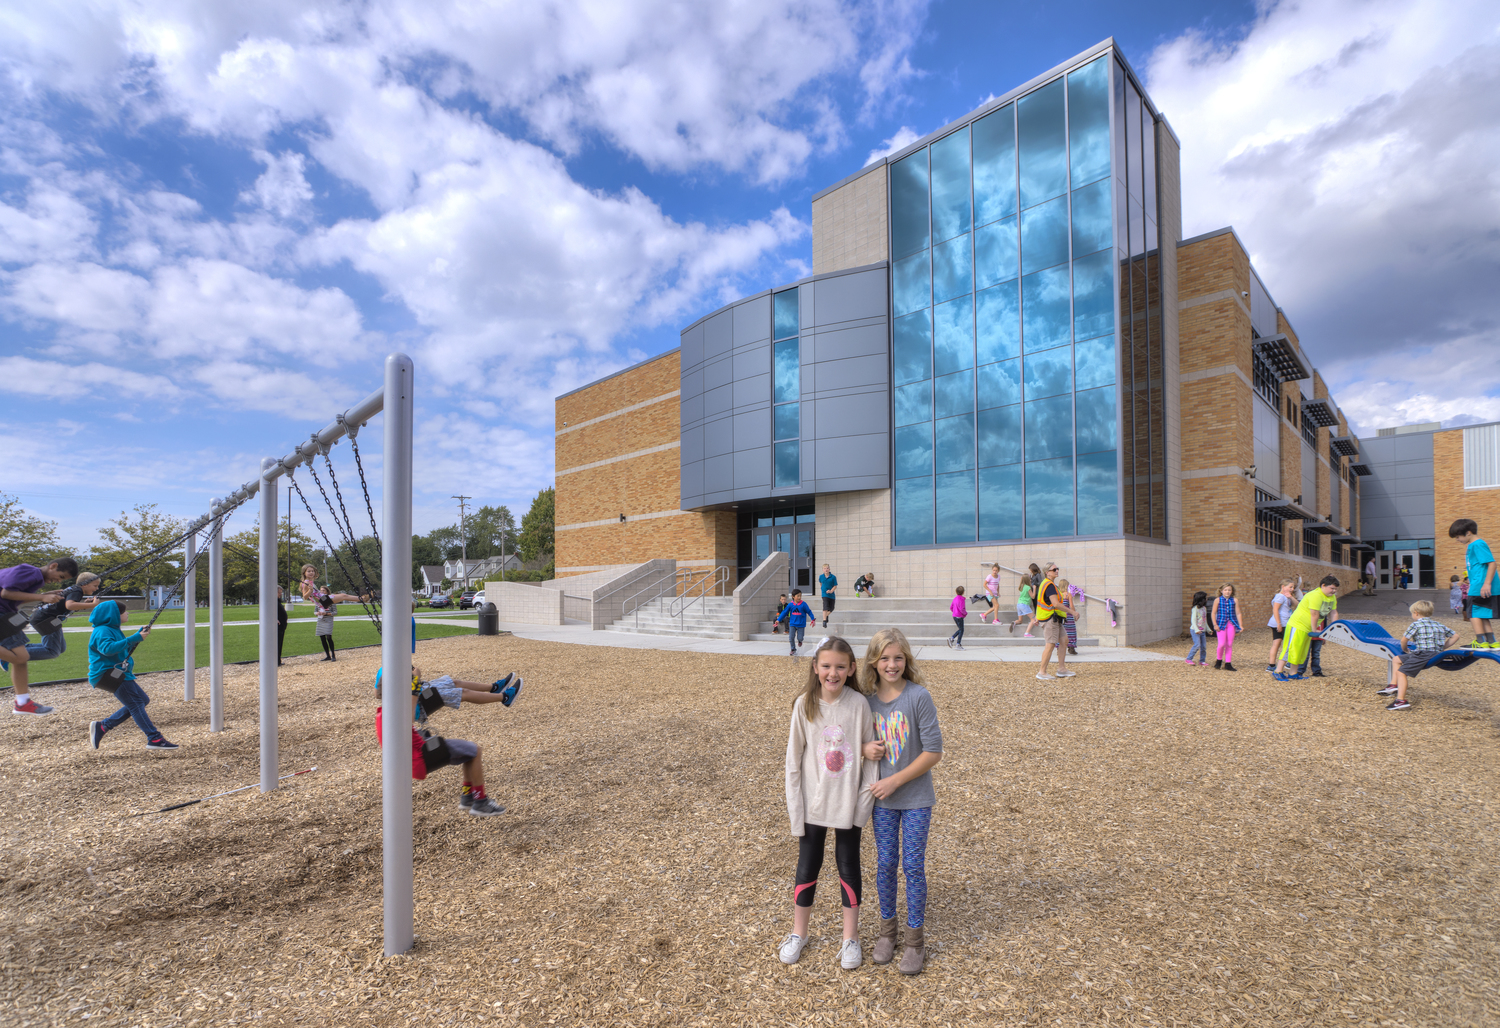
x=1423, y=640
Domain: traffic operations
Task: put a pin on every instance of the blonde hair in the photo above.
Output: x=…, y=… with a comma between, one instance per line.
x=869, y=675
x=809, y=697
x=1061, y=583
x=1229, y=586
x=1284, y=583
x=1421, y=609
x=85, y=578
x=308, y=567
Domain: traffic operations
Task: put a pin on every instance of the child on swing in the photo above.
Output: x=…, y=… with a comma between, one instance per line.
x=454, y=691
x=429, y=753
x=110, y=650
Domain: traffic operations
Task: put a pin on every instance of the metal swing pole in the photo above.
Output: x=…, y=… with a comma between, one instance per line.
x=190, y=620
x=269, y=740
x=215, y=619
x=395, y=655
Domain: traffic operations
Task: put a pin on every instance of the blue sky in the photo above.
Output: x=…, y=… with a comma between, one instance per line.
x=214, y=222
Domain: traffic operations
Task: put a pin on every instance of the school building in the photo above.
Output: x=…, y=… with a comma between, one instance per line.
x=1006, y=352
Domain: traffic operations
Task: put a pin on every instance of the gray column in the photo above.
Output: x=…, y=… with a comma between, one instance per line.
x=269, y=751
x=395, y=655
x=215, y=621
x=190, y=619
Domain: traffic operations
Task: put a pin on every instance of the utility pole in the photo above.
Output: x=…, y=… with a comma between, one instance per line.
x=463, y=537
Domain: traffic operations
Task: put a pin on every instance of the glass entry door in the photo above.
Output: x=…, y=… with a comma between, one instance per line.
x=794, y=539
x=1406, y=560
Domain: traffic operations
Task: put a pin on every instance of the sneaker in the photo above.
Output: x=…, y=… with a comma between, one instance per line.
x=1271, y=668
x=511, y=691
x=1280, y=676
x=1189, y=662
x=159, y=742
x=1299, y=676
x=30, y=707
x=791, y=948
x=465, y=800
x=850, y=955
x=1389, y=690
x=1012, y=629
x=1072, y=652
x=501, y=683
x=1218, y=665
x=96, y=733
x=1399, y=705
x=1066, y=674
x=1043, y=677
x=958, y=646
x=485, y=807
x=1229, y=666
x=1317, y=674
x=950, y=642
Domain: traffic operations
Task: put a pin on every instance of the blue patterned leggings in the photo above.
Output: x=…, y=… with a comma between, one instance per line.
x=890, y=828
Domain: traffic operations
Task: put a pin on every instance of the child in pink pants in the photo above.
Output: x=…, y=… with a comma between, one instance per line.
x=1227, y=619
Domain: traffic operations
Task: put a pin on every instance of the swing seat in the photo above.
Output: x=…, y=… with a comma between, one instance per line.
x=49, y=617
x=12, y=624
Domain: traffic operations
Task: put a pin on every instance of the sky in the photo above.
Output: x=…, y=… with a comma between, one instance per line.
x=217, y=219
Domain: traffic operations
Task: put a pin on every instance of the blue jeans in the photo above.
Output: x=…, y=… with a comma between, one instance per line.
x=795, y=634
x=51, y=646
x=1314, y=659
x=133, y=701
x=1200, y=647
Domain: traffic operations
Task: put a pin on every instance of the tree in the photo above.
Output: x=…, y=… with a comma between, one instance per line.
x=423, y=551
x=25, y=538
x=491, y=530
x=242, y=561
x=126, y=538
x=537, y=526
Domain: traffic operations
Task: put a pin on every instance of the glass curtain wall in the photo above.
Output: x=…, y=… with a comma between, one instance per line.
x=786, y=408
x=1003, y=304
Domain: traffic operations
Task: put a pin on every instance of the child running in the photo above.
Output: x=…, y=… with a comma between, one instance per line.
x=828, y=786
x=1227, y=621
x=1282, y=605
x=992, y=594
x=960, y=610
x=1424, y=639
x=1024, y=601
x=909, y=746
x=1481, y=581
x=796, y=615
x=109, y=650
x=1198, y=629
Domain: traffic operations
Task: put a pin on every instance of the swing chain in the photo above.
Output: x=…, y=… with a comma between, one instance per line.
x=366, y=487
x=347, y=534
x=188, y=569
x=328, y=542
x=353, y=547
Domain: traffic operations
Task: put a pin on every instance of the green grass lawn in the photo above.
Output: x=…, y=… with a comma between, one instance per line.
x=163, y=650
x=250, y=612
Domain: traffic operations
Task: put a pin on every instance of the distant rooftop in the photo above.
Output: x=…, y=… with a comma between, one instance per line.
x=1426, y=426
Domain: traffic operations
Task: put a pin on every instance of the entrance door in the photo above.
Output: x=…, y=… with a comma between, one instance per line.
x=1385, y=568
x=802, y=558
x=797, y=541
x=1407, y=560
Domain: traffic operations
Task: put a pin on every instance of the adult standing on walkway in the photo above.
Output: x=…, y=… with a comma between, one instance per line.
x=1370, y=577
x=1051, y=612
x=828, y=586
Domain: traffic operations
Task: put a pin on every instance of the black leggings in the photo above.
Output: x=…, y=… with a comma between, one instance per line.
x=327, y=641
x=810, y=862
x=958, y=636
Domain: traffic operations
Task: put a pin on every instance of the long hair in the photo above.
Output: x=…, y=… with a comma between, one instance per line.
x=810, y=691
x=869, y=675
x=1200, y=598
x=1230, y=587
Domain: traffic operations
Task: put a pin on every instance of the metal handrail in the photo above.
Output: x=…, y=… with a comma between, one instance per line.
x=716, y=578
x=677, y=582
x=1027, y=575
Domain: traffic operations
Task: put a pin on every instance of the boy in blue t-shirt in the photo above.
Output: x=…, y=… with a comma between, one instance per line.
x=1481, y=581
x=796, y=615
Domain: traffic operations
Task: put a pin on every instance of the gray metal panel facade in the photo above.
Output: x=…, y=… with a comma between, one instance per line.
x=845, y=403
x=1396, y=498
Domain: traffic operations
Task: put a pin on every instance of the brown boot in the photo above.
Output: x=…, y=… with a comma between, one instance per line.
x=915, y=953
x=885, y=945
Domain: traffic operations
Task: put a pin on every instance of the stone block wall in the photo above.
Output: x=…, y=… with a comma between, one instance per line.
x=1452, y=501
x=849, y=228
x=522, y=604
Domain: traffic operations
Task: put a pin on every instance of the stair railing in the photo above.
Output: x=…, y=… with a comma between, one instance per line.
x=674, y=586
x=693, y=592
x=1027, y=574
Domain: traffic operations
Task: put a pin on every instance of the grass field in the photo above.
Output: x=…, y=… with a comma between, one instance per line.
x=163, y=650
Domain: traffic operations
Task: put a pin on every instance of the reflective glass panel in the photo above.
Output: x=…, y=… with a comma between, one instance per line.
x=1133, y=138
x=1095, y=410
x=1094, y=295
x=1049, y=497
x=950, y=185
x=914, y=403
x=784, y=539
x=1049, y=372
x=1088, y=122
x=1045, y=317
x=996, y=253
x=954, y=394
x=788, y=465
x=952, y=269
x=762, y=547
x=955, y=508
x=1119, y=101
x=914, y=512
x=782, y=544
x=1148, y=161
x=1000, y=503
x=1044, y=235
x=1098, y=494
x=1000, y=384
x=1092, y=218
x=998, y=321
x=787, y=422
x=1137, y=228
x=1000, y=436
x=913, y=347
x=909, y=204
x=914, y=451
x=788, y=371
x=911, y=284
x=995, y=165
x=953, y=336
x=955, y=444
x=1049, y=428
x=1042, y=141
x=786, y=313
x=1094, y=362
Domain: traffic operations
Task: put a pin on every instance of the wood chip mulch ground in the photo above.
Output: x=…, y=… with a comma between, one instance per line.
x=1143, y=844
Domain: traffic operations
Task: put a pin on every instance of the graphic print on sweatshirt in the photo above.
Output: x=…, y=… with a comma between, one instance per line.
x=835, y=752
x=894, y=729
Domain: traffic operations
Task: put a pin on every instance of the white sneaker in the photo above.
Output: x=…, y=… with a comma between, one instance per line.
x=791, y=948
x=1040, y=677
x=850, y=955
x=1065, y=674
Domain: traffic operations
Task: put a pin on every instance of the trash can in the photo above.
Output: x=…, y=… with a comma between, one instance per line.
x=489, y=620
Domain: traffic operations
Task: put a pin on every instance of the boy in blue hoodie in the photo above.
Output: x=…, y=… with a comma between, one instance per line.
x=109, y=648
x=796, y=615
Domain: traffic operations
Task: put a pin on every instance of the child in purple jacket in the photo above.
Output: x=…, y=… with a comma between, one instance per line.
x=960, y=610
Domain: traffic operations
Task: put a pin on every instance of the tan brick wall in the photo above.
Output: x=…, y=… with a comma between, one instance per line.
x=597, y=424
x=1451, y=501
x=849, y=224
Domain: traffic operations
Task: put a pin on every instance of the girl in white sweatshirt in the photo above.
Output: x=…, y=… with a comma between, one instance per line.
x=828, y=786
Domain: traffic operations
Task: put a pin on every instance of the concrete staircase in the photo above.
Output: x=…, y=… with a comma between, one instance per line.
x=925, y=621
x=711, y=617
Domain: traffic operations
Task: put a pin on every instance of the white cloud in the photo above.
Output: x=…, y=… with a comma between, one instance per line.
x=283, y=189
x=905, y=136
x=1353, y=146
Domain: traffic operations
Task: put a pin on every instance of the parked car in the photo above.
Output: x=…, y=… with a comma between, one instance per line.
x=466, y=600
x=440, y=601
x=479, y=599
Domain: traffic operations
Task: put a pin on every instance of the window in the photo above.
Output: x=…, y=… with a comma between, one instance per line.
x=1482, y=457
x=786, y=420
x=1336, y=553
x=1310, y=433
x=1266, y=382
x=1310, y=543
x=1268, y=527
